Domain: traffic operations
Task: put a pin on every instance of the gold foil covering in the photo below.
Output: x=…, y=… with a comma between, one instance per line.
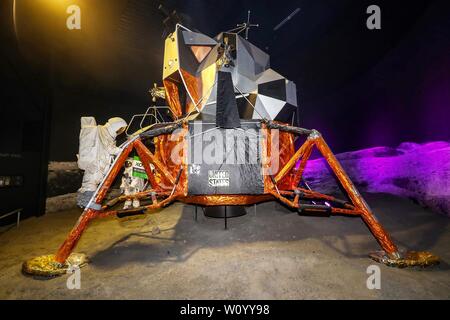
x=409, y=259
x=47, y=266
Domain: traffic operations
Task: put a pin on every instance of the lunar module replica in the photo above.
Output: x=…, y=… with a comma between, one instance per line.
x=231, y=143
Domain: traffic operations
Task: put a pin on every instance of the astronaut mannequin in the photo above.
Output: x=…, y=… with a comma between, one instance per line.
x=96, y=152
x=131, y=184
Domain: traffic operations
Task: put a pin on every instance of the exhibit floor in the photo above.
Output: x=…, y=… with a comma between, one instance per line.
x=271, y=253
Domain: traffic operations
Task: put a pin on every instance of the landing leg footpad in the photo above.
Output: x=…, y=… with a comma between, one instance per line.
x=408, y=259
x=47, y=266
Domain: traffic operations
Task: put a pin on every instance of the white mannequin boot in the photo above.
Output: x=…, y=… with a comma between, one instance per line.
x=127, y=204
x=136, y=203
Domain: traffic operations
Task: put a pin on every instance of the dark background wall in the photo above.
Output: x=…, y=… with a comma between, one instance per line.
x=360, y=87
x=25, y=110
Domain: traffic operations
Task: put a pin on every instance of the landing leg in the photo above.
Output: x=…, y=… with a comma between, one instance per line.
x=369, y=218
x=89, y=213
x=51, y=265
x=390, y=255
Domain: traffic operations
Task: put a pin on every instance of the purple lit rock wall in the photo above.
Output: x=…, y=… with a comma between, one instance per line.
x=418, y=171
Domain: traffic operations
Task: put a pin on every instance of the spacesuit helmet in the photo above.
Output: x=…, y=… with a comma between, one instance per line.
x=116, y=126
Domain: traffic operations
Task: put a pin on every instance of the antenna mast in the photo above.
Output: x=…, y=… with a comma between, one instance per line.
x=244, y=26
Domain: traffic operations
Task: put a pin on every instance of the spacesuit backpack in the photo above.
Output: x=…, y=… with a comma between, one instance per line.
x=88, y=137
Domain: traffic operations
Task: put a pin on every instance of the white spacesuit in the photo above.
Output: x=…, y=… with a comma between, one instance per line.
x=96, y=152
x=131, y=183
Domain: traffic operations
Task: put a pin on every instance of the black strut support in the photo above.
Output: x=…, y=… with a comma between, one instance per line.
x=282, y=127
x=163, y=128
x=314, y=207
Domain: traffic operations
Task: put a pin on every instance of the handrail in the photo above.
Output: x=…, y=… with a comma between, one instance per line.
x=18, y=211
x=155, y=113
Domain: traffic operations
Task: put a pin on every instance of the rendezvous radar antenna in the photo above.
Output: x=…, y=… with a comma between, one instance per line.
x=245, y=26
